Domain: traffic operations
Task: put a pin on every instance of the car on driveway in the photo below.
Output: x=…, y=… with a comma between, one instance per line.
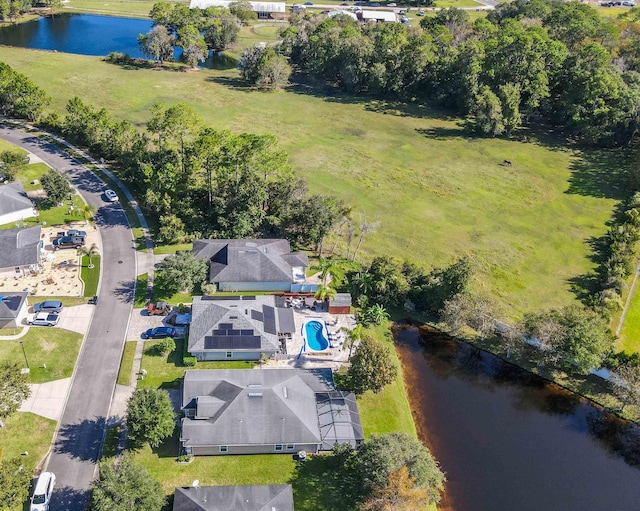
x=159, y=332
x=110, y=195
x=42, y=492
x=48, y=306
x=43, y=319
x=68, y=242
x=76, y=232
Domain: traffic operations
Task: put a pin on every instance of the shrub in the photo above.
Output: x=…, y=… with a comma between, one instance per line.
x=167, y=345
x=190, y=361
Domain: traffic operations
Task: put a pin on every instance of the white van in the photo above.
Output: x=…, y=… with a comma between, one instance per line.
x=42, y=492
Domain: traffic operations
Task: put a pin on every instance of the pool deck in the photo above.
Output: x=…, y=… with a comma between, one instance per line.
x=333, y=357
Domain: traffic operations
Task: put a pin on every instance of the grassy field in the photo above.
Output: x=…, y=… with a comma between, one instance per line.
x=67, y=301
x=90, y=276
x=412, y=169
x=54, y=347
x=629, y=340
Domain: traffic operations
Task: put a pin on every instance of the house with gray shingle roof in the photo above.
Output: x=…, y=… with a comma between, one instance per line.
x=13, y=308
x=20, y=250
x=238, y=327
x=274, y=497
x=262, y=411
x=15, y=206
x=252, y=265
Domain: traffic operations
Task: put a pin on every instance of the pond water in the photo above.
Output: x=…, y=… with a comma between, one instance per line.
x=89, y=34
x=510, y=441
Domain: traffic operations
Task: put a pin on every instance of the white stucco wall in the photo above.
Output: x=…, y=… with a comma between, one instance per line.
x=17, y=216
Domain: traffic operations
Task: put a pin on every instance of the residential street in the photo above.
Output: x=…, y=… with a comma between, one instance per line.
x=86, y=415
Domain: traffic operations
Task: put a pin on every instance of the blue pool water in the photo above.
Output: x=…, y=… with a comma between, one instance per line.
x=314, y=336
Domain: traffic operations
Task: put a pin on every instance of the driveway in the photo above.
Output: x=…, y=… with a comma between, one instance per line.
x=76, y=319
x=81, y=431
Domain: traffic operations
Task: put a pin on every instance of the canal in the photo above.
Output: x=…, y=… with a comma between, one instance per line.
x=510, y=441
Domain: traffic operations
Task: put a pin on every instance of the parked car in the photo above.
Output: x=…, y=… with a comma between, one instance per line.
x=158, y=309
x=43, y=319
x=375, y=4
x=68, y=242
x=392, y=4
x=308, y=3
x=42, y=492
x=76, y=232
x=48, y=306
x=159, y=332
x=420, y=13
x=110, y=195
x=629, y=4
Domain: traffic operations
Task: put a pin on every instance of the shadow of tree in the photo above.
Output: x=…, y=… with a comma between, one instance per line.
x=601, y=173
x=65, y=498
x=319, y=483
x=83, y=440
x=125, y=291
x=618, y=436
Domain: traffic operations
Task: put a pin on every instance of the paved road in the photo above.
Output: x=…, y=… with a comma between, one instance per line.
x=81, y=430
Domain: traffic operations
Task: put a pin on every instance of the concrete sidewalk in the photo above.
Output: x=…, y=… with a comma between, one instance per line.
x=47, y=399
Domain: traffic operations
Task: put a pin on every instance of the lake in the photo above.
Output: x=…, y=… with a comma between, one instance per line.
x=510, y=441
x=89, y=34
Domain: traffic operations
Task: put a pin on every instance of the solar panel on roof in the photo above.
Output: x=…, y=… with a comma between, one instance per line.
x=246, y=332
x=233, y=332
x=225, y=326
x=214, y=298
x=257, y=315
x=233, y=342
x=269, y=319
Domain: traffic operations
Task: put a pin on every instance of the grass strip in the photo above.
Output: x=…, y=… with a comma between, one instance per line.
x=90, y=276
x=126, y=363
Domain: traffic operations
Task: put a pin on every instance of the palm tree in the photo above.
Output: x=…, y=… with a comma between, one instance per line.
x=90, y=252
x=334, y=268
x=325, y=292
x=352, y=336
x=87, y=213
x=377, y=314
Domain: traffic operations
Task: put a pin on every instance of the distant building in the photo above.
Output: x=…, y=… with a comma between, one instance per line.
x=274, y=497
x=277, y=411
x=238, y=327
x=265, y=10
x=13, y=307
x=252, y=265
x=20, y=250
x=15, y=206
x=378, y=16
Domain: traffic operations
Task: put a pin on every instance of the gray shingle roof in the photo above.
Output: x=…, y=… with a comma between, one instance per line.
x=19, y=247
x=10, y=304
x=255, y=260
x=236, y=323
x=260, y=407
x=276, y=497
x=13, y=198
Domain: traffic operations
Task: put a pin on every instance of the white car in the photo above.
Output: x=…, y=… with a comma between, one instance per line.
x=42, y=492
x=43, y=319
x=111, y=195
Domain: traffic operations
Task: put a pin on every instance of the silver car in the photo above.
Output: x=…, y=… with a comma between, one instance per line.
x=42, y=492
x=110, y=195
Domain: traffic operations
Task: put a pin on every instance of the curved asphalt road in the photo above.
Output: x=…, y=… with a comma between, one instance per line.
x=81, y=429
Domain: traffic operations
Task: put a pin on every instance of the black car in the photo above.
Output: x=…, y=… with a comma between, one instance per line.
x=68, y=242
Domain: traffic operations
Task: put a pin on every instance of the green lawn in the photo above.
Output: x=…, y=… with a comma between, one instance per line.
x=126, y=363
x=30, y=173
x=67, y=301
x=413, y=170
x=54, y=347
x=166, y=371
x=26, y=432
x=172, y=249
x=629, y=340
x=389, y=410
x=8, y=146
x=141, y=290
x=90, y=276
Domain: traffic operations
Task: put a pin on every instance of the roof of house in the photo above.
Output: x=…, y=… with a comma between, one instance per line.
x=256, y=260
x=11, y=303
x=340, y=300
x=379, y=15
x=257, y=6
x=238, y=323
x=20, y=247
x=275, y=497
x=253, y=407
x=13, y=198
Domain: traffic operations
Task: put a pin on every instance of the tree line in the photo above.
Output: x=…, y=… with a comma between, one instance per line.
x=538, y=60
x=202, y=182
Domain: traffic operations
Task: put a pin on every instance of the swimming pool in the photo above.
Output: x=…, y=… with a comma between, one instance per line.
x=315, y=335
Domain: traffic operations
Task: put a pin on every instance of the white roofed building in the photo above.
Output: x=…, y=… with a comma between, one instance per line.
x=379, y=16
x=265, y=10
